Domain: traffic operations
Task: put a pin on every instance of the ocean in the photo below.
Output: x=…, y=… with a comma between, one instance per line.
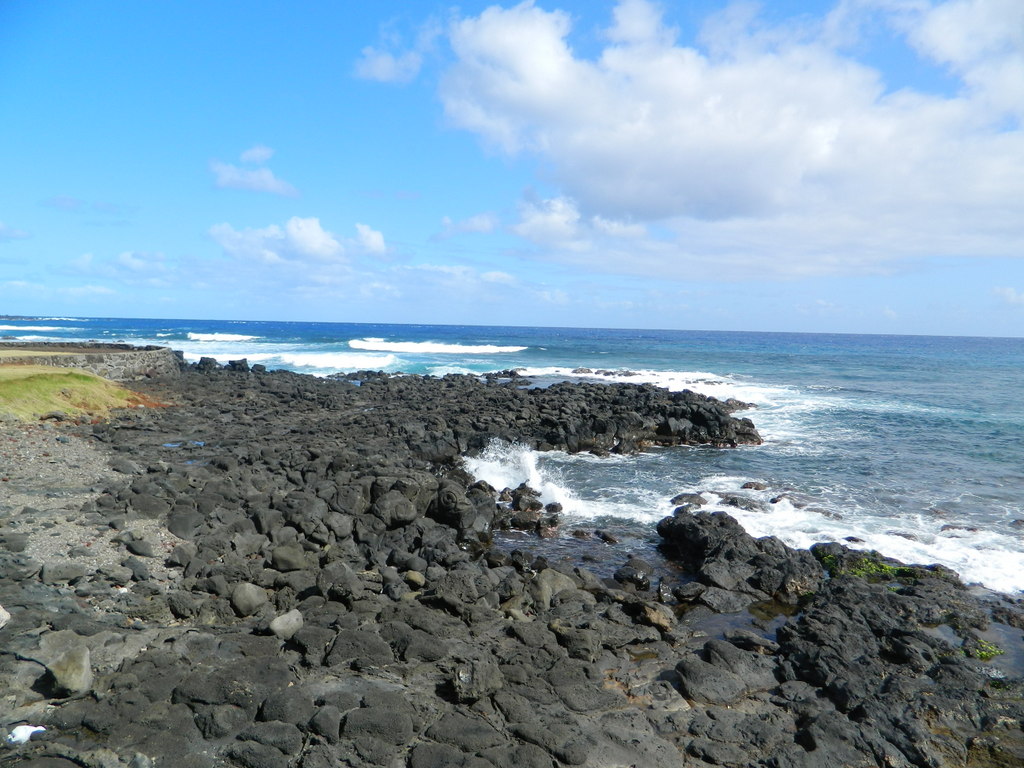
x=909, y=445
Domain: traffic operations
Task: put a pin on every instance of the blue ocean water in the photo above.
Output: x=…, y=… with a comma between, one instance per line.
x=910, y=445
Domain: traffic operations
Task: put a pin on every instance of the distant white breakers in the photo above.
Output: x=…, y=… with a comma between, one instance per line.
x=22, y=733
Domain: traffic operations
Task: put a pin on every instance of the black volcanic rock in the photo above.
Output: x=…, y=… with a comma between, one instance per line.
x=340, y=509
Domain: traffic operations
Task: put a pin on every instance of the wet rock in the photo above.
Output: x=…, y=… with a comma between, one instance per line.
x=694, y=499
x=717, y=549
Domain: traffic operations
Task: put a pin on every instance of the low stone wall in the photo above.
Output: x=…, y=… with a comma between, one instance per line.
x=117, y=362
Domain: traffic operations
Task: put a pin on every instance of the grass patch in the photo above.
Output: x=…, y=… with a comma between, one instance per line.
x=28, y=392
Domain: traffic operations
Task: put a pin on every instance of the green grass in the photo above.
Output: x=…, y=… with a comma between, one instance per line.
x=30, y=391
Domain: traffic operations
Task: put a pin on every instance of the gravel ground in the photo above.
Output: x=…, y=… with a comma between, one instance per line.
x=47, y=472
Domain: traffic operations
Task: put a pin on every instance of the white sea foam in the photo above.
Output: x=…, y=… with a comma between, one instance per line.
x=429, y=347
x=35, y=328
x=444, y=370
x=307, y=362
x=987, y=557
x=220, y=337
x=506, y=465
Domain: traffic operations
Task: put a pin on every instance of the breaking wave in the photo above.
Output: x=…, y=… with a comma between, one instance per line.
x=430, y=347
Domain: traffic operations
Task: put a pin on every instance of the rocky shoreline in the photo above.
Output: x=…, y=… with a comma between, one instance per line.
x=284, y=571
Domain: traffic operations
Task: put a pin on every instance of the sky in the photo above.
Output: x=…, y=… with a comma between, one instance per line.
x=848, y=166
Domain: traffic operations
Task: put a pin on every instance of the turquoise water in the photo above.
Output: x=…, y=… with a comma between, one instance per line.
x=911, y=445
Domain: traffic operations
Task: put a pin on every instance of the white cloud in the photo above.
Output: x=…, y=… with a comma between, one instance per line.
x=553, y=222
x=1009, y=295
x=370, y=240
x=480, y=223
x=257, y=154
x=140, y=262
x=307, y=238
x=227, y=176
x=500, y=278
x=457, y=278
x=375, y=64
x=391, y=61
x=299, y=239
x=557, y=224
x=10, y=233
x=771, y=150
x=262, y=244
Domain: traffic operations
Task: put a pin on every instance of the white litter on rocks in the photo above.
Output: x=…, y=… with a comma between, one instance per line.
x=22, y=733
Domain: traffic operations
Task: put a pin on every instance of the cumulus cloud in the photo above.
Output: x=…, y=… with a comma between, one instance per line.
x=553, y=222
x=370, y=240
x=254, y=179
x=390, y=61
x=299, y=239
x=557, y=224
x=227, y=176
x=770, y=149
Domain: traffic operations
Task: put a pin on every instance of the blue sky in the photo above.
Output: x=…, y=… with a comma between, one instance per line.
x=849, y=166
